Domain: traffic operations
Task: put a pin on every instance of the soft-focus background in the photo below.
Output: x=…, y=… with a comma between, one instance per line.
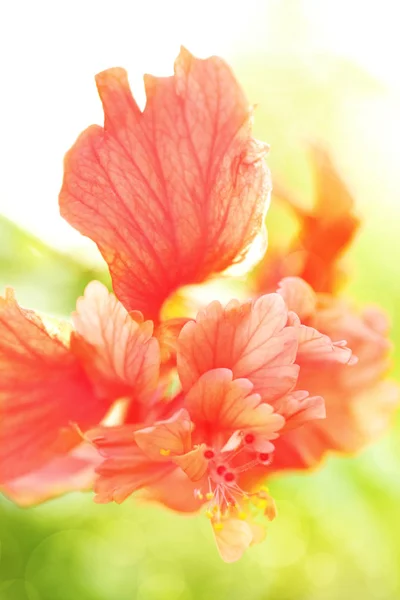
x=317, y=70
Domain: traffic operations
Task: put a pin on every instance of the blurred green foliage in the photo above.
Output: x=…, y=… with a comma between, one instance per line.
x=338, y=532
x=44, y=278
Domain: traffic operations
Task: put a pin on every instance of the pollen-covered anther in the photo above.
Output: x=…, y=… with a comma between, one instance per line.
x=218, y=526
x=198, y=494
x=165, y=452
x=210, y=495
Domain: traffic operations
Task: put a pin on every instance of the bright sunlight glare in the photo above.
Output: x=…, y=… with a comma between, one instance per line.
x=48, y=93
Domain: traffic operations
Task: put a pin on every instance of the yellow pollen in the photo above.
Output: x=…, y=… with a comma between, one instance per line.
x=218, y=526
x=242, y=515
x=209, y=514
x=165, y=452
x=264, y=488
x=215, y=508
x=210, y=495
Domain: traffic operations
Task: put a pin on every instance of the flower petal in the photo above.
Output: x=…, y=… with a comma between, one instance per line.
x=117, y=349
x=299, y=296
x=193, y=463
x=217, y=404
x=73, y=472
x=174, y=490
x=125, y=468
x=329, y=229
x=250, y=339
x=172, y=194
x=316, y=348
x=299, y=407
x=167, y=333
x=166, y=438
x=233, y=537
x=43, y=389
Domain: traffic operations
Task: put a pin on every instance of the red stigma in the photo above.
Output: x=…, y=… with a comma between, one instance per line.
x=229, y=476
x=209, y=454
x=264, y=457
x=249, y=438
x=221, y=469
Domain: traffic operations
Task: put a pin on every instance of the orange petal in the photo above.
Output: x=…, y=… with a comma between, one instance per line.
x=125, y=468
x=72, y=472
x=166, y=438
x=117, y=350
x=250, y=339
x=299, y=407
x=218, y=403
x=167, y=333
x=233, y=538
x=299, y=296
x=294, y=452
x=316, y=348
x=331, y=226
x=172, y=194
x=43, y=389
x=176, y=491
x=193, y=463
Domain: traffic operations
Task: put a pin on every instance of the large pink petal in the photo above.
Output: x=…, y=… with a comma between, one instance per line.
x=73, y=472
x=126, y=468
x=43, y=391
x=317, y=349
x=117, y=350
x=251, y=340
x=299, y=407
x=176, y=491
x=166, y=438
x=299, y=296
x=171, y=194
x=193, y=463
x=219, y=404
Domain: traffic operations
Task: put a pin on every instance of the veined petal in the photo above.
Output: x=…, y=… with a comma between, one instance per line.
x=316, y=348
x=116, y=348
x=193, y=463
x=167, y=333
x=166, y=438
x=219, y=404
x=43, y=391
x=125, y=468
x=172, y=194
x=250, y=339
x=299, y=407
x=302, y=304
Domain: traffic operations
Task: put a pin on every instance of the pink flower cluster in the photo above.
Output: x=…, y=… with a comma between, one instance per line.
x=195, y=413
